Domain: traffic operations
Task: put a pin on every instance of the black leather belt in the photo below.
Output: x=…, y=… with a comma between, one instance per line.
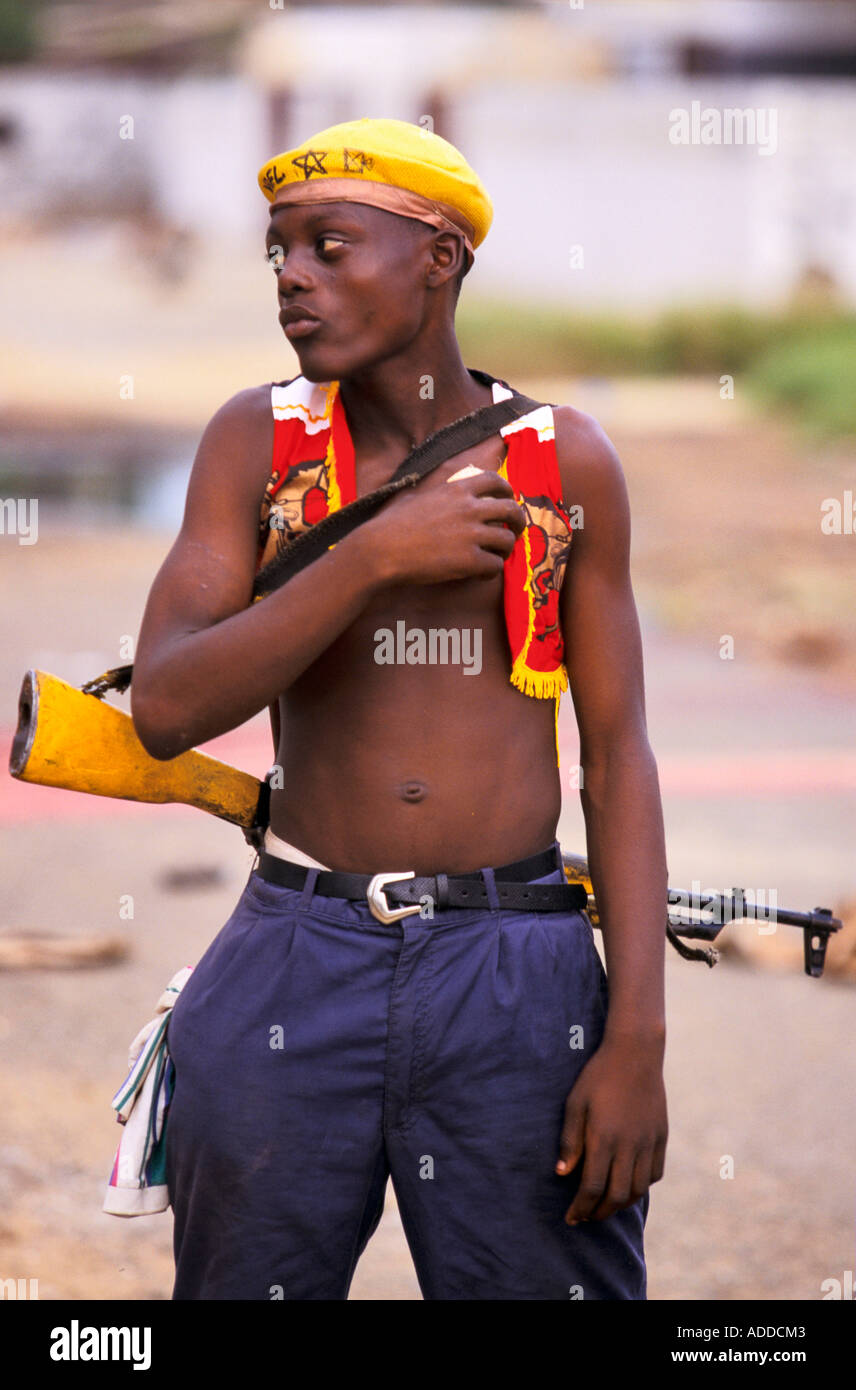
x=409, y=893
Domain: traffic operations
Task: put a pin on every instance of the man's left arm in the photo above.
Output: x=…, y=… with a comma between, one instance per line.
x=615, y=1115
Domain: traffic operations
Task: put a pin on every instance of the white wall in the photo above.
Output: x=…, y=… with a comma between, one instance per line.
x=194, y=150
x=594, y=166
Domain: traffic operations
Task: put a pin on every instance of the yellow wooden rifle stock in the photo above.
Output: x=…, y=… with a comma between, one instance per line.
x=68, y=739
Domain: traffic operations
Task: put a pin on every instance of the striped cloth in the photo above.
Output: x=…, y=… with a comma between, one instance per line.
x=137, y=1185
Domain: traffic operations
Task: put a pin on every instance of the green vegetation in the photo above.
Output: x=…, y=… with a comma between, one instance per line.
x=800, y=360
x=17, y=30
x=813, y=375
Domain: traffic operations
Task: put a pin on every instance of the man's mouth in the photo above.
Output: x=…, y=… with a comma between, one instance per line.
x=297, y=324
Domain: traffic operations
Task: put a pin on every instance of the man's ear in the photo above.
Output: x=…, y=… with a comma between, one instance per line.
x=449, y=259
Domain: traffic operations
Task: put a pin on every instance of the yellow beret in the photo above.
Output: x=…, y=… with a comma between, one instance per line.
x=390, y=164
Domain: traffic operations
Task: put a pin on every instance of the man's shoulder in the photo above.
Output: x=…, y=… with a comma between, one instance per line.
x=239, y=435
x=586, y=456
x=249, y=406
x=236, y=447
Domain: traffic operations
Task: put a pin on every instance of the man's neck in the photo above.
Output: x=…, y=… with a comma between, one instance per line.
x=392, y=406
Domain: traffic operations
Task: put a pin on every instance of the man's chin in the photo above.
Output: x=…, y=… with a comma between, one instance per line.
x=316, y=366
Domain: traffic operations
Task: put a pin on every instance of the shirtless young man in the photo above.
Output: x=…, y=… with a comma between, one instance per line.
x=473, y=1053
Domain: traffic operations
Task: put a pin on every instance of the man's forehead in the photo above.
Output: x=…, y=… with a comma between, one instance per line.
x=361, y=214
x=310, y=211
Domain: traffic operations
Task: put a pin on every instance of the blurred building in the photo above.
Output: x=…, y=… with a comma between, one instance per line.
x=164, y=111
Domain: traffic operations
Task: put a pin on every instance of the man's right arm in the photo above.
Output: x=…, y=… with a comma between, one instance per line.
x=208, y=658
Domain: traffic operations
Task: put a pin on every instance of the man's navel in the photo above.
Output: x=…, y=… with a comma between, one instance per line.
x=413, y=791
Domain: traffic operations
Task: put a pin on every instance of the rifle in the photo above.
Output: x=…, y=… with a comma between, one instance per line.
x=69, y=737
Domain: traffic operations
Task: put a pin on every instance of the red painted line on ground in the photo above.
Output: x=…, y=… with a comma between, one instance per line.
x=250, y=748
x=753, y=775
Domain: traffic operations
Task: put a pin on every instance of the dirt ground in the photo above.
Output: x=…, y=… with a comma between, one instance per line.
x=758, y=771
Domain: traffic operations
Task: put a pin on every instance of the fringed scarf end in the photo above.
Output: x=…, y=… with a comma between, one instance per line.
x=543, y=685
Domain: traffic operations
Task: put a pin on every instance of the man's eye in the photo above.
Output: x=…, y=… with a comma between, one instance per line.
x=336, y=241
x=275, y=257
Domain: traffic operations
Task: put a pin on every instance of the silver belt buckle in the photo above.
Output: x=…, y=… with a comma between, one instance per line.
x=378, y=905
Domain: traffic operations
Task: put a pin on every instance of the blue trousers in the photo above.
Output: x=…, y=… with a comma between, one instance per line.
x=318, y=1052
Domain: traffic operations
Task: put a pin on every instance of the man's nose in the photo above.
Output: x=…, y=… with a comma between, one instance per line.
x=292, y=272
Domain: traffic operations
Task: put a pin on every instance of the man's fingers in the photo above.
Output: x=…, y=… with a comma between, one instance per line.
x=658, y=1162
x=503, y=510
x=592, y=1186
x=487, y=564
x=619, y=1193
x=643, y=1170
x=487, y=484
x=571, y=1140
x=629, y=1178
x=496, y=538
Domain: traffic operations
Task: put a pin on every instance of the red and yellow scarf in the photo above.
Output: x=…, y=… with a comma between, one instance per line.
x=313, y=474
